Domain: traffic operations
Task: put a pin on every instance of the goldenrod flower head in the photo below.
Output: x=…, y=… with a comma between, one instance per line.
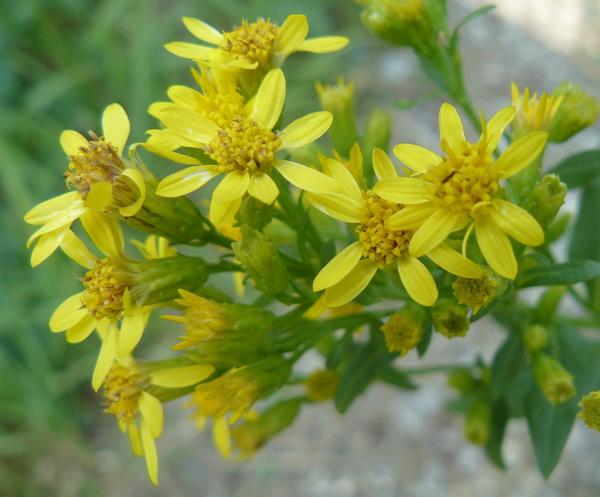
x=127, y=399
x=477, y=292
x=535, y=337
x=403, y=331
x=577, y=111
x=553, y=379
x=258, y=45
x=533, y=112
x=105, y=286
x=445, y=194
x=102, y=178
x=244, y=150
x=590, y=410
x=253, y=434
x=321, y=385
x=450, y=320
x=237, y=390
x=379, y=244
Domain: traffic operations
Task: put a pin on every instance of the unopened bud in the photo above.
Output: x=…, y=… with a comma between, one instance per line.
x=546, y=199
x=478, y=292
x=404, y=329
x=477, y=422
x=553, y=379
x=577, y=112
x=254, y=213
x=450, y=319
x=590, y=410
x=321, y=385
x=462, y=380
x=535, y=337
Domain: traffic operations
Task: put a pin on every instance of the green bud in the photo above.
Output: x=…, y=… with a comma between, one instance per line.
x=378, y=129
x=339, y=100
x=404, y=329
x=479, y=292
x=450, y=319
x=546, y=199
x=462, y=380
x=576, y=112
x=553, y=379
x=477, y=422
x=590, y=410
x=321, y=385
x=252, y=435
x=535, y=337
x=254, y=213
x=261, y=260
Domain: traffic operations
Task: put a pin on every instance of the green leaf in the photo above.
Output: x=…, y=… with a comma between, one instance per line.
x=365, y=363
x=565, y=273
x=407, y=103
x=493, y=446
x=397, y=378
x=579, y=169
x=423, y=345
x=507, y=363
x=470, y=17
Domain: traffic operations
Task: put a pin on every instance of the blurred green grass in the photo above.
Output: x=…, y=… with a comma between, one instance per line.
x=61, y=63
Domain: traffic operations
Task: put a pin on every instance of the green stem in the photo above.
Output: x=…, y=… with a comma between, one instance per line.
x=434, y=369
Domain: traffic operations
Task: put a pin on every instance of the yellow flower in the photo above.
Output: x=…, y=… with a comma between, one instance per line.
x=127, y=391
x=106, y=303
x=261, y=44
x=378, y=245
x=590, y=410
x=445, y=194
x=403, y=331
x=244, y=150
x=102, y=178
x=533, y=112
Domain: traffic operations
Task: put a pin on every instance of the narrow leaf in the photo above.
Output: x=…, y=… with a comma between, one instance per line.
x=566, y=273
x=579, y=169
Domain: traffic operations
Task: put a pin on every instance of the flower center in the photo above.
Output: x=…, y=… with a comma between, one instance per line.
x=122, y=390
x=380, y=244
x=243, y=145
x=464, y=182
x=105, y=286
x=252, y=41
x=98, y=162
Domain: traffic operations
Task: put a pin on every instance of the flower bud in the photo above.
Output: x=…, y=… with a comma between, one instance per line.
x=577, y=112
x=339, y=100
x=262, y=262
x=404, y=329
x=450, y=319
x=321, y=385
x=477, y=422
x=254, y=213
x=546, y=199
x=478, y=292
x=378, y=129
x=533, y=113
x=462, y=380
x=553, y=379
x=535, y=337
x=590, y=410
x=253, y=434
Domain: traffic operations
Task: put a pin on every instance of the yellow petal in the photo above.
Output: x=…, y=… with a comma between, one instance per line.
x=116, y=127
x=222, y=212
x=324, y=44
x=382, y=165
x=352, y=285
x=402, y=190
x=189, y=50
x=71, y=142
x=182, y=95
x=306, y=178
x=454, y=262
x=293, y=32
x=100, y=196
x=269, y=99
x=338, y=267
x=183, y=376
x=81, y=330
x=497, y=125
x=68, y=314
x=185, y=181
x=222, y=437
x=517, y=222
x=232, y=186
x=44, y=212
x=131, y=331
x=105, y=232
x=169, y=154
x=411, y=217
x=189, y=124
x=106, y=358
x=496, y=248
x=47, y=244
x=451, y=128
x=64, y=218
x=149, y=452
x=137, y=178
x=152, y=413
x=76, y=250
x=174, y=138
x=521, y=153
x=305, y=130
x=417, y=280
x=433, y=232
x=263, y=188
x=344, y=177
x=416, y=157
x=135, y=439
x=203, y=31
x=337, y=206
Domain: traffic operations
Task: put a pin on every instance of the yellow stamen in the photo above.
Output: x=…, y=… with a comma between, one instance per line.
x=105, y=286
x=252, y=41
x=122, y=390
